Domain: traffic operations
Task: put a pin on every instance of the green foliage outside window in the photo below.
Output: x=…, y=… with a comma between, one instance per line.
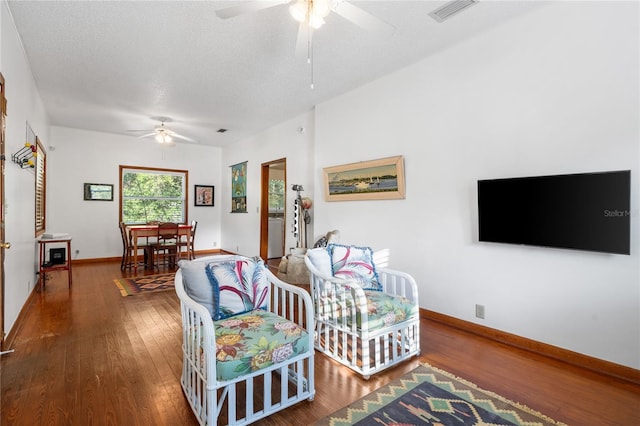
x=148, y=196
x=276, y=194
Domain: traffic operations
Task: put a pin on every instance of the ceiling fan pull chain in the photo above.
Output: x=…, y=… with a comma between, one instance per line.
x=310, y=54
x=309, y=44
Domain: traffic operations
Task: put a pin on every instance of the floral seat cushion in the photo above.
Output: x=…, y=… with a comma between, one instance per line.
x=383, y=310
x=255, y=340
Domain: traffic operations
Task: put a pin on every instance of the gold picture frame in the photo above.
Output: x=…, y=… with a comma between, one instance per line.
x=381, y=179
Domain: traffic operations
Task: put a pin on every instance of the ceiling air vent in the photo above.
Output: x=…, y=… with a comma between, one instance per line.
x=445, y=12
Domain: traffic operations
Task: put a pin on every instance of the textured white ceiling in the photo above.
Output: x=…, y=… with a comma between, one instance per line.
x=113, y=66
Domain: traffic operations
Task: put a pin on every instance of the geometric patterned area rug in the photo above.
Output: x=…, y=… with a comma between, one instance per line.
x=145, y=284
x=430, y=396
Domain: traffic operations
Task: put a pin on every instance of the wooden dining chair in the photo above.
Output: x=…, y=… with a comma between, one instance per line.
x=125, y=246
x=166, y=244
x=188, y=248
x=128, y=247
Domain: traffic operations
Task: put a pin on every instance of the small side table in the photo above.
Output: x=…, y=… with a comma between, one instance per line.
x=44, y=268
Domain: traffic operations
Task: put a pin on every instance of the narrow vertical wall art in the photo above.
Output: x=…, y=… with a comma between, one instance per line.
x=239, y=188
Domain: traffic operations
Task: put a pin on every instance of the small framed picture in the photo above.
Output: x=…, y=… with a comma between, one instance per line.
x=204, y=195
x=98, y=192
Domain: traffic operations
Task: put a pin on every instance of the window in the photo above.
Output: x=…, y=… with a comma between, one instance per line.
x=41, y=185
x=276, y=194
x=153, y=195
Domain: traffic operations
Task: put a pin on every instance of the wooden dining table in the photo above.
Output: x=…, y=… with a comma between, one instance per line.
x=146, y=231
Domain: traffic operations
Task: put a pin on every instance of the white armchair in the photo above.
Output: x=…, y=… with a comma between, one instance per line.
x=366, y=317
x=247, y=340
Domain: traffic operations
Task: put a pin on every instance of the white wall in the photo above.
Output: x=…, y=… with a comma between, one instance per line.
x=556, y=91
x=23, y=105
x=241, y=231
x=79, y=156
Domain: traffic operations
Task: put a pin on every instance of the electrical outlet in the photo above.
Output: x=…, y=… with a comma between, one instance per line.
x=77, y=251
x=480, y=311
x=215, y=244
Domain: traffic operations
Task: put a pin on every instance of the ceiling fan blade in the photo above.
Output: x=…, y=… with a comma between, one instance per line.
x=364, y=19
x=184, y=138
x=147, y=135
x=247, y=7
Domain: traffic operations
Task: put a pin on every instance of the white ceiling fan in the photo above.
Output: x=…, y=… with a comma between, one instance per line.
x=311, y=15
x=164, y=135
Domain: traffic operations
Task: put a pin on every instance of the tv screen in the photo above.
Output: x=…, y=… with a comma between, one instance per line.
x=585, y=211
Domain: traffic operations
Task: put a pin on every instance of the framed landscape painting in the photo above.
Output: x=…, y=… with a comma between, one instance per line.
x=381, y=179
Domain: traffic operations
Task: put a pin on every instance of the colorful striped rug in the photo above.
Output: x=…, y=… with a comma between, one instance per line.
x=145, y=284
x=431, y=396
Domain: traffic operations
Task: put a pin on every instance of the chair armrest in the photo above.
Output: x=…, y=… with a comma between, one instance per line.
x=197, y=331
x=399, y=284
x=291, y=302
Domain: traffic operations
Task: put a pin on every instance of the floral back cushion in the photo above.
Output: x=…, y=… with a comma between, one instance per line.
x=354, y=263
x=239, y=285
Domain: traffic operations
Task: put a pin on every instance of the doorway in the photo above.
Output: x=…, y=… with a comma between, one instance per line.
x=273, y=209
x=3, y=245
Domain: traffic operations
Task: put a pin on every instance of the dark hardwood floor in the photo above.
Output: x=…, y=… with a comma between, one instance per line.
x=88, y=356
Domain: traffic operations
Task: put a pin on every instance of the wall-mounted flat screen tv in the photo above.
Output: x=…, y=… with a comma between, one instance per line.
x=585, y=211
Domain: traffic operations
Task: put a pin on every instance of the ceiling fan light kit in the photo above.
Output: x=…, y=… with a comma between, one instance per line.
x=163, y=135
x=311, y=12
x=164, y=138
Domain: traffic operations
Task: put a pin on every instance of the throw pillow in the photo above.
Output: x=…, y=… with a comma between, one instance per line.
x=239, y=285
x=196, y=283
x=321, y=260
x=354, y=263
